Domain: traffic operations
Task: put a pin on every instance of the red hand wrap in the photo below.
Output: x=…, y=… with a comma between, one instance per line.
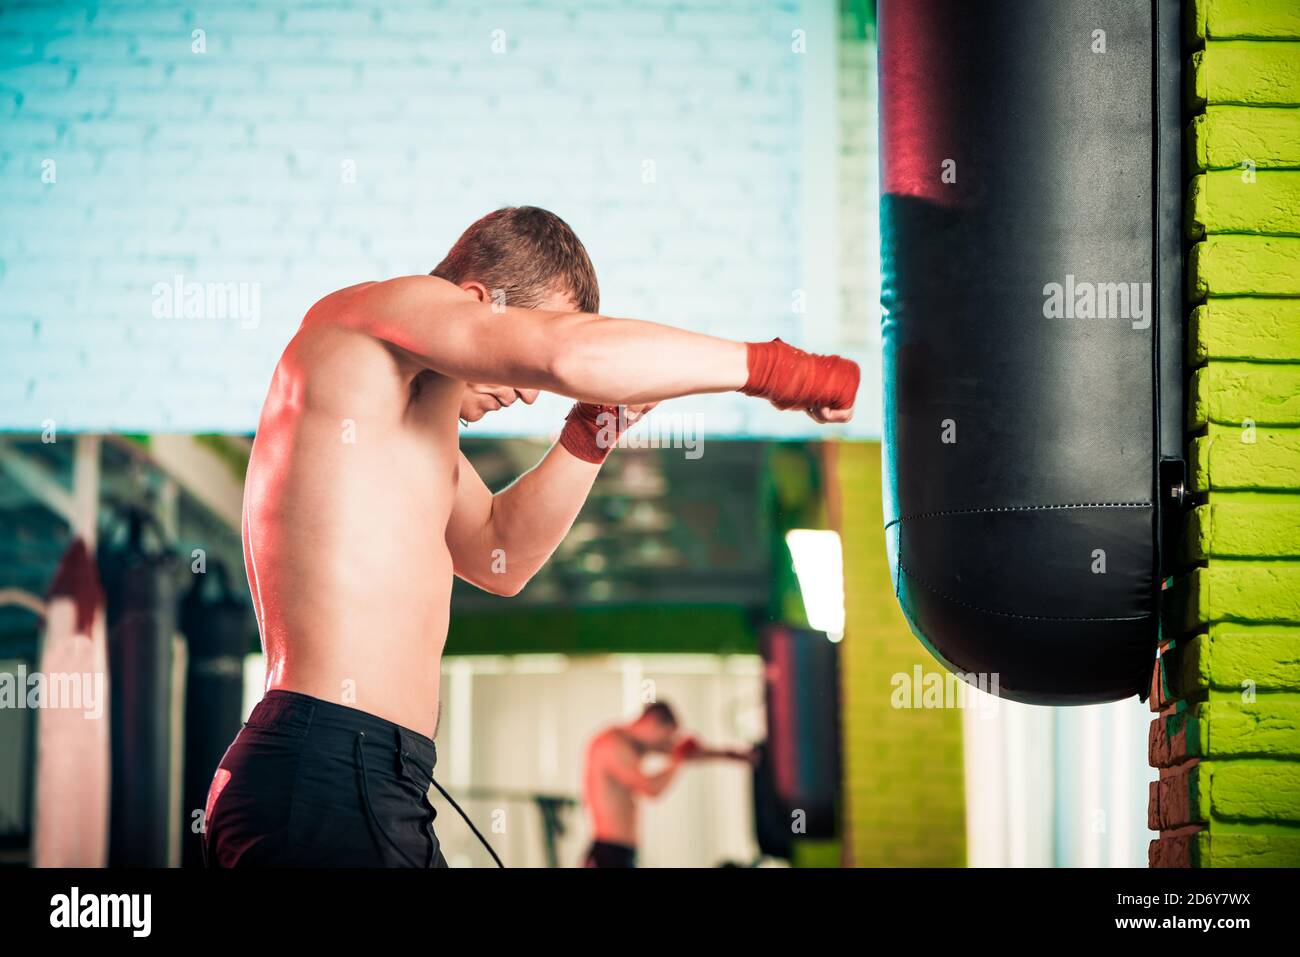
x=590, y=431
x=793, y=379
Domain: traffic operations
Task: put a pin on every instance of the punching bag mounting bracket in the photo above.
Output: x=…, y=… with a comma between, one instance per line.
x=1177, y=493
x=1175, y=499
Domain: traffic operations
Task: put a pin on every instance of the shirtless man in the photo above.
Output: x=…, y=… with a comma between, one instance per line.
x=359, y=508
x=613, y=781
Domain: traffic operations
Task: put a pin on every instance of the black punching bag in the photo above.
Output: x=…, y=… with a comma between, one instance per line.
x=797, y=782
x=219, y=632
x=140, y=582
x=1021, y=289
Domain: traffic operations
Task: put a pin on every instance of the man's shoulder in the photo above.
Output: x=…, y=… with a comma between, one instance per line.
x=330, y=348
x=370, y=311
x=350, y=305
x=378, y=294
x=611, y=741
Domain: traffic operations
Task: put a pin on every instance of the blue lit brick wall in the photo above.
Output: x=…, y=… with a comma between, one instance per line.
x=314, y=145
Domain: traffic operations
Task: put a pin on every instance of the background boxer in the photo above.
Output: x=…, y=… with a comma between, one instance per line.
x=613, y=781
x=359, y=508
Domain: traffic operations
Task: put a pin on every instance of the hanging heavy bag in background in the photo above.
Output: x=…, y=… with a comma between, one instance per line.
x=798, y=779
x=140, y=582
x=220, y=631
x=70, y=823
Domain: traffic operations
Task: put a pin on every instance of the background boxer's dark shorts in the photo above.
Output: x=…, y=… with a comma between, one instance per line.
x=308, y=783
x=606, y=854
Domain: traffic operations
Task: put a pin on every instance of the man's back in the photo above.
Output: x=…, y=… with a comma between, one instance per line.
x=349, y=488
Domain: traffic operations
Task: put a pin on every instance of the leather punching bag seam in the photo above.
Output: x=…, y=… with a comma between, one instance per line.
x=1010, y=614
x=1017, y=508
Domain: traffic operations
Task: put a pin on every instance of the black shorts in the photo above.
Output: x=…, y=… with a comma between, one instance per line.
x=308, y=783
x=606, y=854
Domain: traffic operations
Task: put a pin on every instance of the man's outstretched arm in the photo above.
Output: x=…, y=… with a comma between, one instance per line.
x=694, y=750
x=581, y=355
x=592, y=358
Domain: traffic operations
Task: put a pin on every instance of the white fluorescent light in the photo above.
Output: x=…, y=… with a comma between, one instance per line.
x=819, y=566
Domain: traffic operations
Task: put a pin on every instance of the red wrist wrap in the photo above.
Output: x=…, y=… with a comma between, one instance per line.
x=590, y=431
x=793, y=379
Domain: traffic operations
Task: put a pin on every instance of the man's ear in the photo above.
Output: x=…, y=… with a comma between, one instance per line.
x=477, y=290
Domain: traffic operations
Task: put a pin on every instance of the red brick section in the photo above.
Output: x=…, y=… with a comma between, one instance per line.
x=1175, y=848
x=1173, y=799
x=1174, y=742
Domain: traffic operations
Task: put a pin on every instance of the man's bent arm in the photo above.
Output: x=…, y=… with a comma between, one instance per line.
x=581, y=355
x=630, y=776
x=498, y=542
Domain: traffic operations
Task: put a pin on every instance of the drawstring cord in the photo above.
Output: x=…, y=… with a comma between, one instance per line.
x=482, y=839
x=365, y=794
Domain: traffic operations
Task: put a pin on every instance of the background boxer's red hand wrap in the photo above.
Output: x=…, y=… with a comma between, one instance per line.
x=793, y=379
x=590, y=431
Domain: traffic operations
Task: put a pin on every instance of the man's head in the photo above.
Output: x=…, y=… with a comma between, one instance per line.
x=656, y=728
x=521, y=257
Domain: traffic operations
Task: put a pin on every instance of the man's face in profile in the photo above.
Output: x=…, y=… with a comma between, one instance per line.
x=662, y=737
x=479, y=398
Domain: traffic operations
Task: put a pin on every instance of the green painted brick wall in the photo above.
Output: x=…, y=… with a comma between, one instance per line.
x=1226, y=729
x=1237, y=393
x=1237, y=19
x=1226, y=590
x=1248, y=72
x=1230, y=657
x=1237, y=265
x=1226, y=737
x=1238, y=458
x=1222, y=135
x=904, y=790
x=1231, y=529
x=1264, y=330
x=1224, y=201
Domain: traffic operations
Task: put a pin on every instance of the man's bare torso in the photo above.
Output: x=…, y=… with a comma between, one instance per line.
x=610, y=804
x=349, y=488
